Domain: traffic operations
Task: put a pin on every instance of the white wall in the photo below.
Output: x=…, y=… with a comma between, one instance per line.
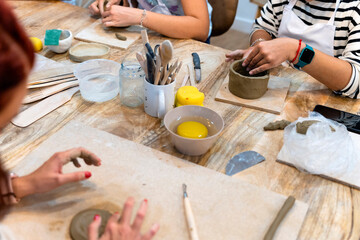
x=245, y=16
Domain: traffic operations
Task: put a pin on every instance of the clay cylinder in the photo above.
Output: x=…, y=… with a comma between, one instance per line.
x=244, y=85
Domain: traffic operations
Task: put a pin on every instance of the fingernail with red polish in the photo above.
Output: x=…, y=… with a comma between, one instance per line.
x=96, y=217
x=117, y=213
x=145, y=200
x=87, y=174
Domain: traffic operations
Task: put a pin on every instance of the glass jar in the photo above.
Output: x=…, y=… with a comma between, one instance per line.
x=131, y=84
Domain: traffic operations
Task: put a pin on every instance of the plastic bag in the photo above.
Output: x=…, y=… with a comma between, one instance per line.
x=326, y=148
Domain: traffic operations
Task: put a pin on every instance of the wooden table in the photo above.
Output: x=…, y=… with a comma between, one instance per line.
x=334, y=211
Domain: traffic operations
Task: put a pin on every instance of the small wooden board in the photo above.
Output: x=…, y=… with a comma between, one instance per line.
x=351, y=178
x=272, y=102
x=224, y=207
x=97, y=33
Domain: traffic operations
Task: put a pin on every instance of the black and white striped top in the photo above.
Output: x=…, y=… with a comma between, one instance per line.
x=347, y=35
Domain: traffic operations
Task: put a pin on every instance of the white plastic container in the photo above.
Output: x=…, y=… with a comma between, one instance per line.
x=65, y=42
x=98, y=79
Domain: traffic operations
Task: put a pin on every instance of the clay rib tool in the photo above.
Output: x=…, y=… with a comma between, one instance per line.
x=39, y=110
x=288, y=204
x=243, y=161
x=196, y=61
x=190, y=216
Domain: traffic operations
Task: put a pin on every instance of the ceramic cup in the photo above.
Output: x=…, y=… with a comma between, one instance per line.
x=159, y=99
x=65, y=41
x=206, y=116
x=247, y=86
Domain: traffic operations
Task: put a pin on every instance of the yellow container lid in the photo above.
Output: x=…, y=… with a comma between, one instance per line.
x=189, y=95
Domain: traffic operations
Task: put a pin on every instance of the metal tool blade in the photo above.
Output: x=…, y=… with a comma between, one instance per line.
x=197, y=68
x=243, y=161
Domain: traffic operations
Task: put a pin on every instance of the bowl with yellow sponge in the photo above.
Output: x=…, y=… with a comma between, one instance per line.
x=193, y=129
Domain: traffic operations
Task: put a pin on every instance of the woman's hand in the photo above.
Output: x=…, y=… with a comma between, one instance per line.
x=119, y=16
x=119, y=227
x=49, y=176
x=238, y=54
x=269, y=54
x=97, y=7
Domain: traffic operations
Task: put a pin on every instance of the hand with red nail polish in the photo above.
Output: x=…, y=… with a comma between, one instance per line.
x=49, y=176
x=120, y=227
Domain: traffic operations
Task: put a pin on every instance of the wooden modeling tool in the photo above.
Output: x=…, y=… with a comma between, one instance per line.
x=190, y=216
x=144, y=38
x=191, y=74
x=186, y=78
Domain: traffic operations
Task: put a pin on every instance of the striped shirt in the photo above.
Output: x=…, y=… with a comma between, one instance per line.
x=347, y=33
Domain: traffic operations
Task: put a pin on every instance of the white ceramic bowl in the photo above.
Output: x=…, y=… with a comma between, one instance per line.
x=98, y=79
x=189, y=146
x=65, y=41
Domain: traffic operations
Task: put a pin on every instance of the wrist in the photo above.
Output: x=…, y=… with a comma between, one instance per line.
x=23, y=186
x=303, y=45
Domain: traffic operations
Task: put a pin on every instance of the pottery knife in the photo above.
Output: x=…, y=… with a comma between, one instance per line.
x=196, y=60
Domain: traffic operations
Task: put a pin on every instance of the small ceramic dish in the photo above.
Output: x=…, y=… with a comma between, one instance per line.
x=244, y=85
x=190, y=146
x=65, y=41
x=86, y=51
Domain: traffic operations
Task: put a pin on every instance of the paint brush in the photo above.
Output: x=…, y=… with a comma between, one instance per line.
x=189, y=216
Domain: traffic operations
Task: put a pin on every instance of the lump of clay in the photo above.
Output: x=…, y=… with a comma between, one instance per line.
x=81, y=221
x=244, y=85
x=277, y=125
x=120, y=37
x=302, y=127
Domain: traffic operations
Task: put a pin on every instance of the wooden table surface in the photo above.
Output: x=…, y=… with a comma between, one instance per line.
x=334, y=209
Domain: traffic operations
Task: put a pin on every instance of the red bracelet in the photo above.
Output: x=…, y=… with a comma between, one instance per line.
x=297, y=52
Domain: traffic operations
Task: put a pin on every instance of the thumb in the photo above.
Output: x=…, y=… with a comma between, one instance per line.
x=74, y=177
x=93, y=230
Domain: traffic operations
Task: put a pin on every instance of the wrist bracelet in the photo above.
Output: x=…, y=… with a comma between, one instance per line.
x=297, y=52
x=256, y=41
x=143, y=15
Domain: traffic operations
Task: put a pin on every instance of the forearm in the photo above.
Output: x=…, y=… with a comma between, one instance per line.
x=177, y=26
x=259, y=34
x=331, y=71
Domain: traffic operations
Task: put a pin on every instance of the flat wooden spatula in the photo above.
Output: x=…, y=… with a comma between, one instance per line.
x=39, y=110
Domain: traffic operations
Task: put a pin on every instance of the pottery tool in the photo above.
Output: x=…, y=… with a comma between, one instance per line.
x=288, y=204
x=197, y=69
x=172, y=68
x=191, y=74
x=150, y=68
x=157, y=69
x=166, y=53
x=189, y=216
x=142, y=62
x=243, y=161
x=144, y=38
x=53, y=79
x=186, y=78
x=37, y=95
x=48, y=84
x=39, y=110
x=173, y=76
x=150, y=50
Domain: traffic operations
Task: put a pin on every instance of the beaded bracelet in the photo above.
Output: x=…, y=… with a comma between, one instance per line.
x=143, y=15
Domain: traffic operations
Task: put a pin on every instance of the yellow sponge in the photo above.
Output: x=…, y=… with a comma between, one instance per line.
x=189, y=95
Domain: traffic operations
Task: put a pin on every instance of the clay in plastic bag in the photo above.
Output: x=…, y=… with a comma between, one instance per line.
x=326, y=147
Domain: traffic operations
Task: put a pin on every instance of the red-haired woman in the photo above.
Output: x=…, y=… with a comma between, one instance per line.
x=16, y=61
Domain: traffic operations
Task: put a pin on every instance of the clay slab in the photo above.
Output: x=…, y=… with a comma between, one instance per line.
x=97, y=33
x=86, y=51
x=272, y=101
x=224, y=207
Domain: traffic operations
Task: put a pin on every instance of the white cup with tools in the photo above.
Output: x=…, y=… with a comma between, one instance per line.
x=159, y=99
